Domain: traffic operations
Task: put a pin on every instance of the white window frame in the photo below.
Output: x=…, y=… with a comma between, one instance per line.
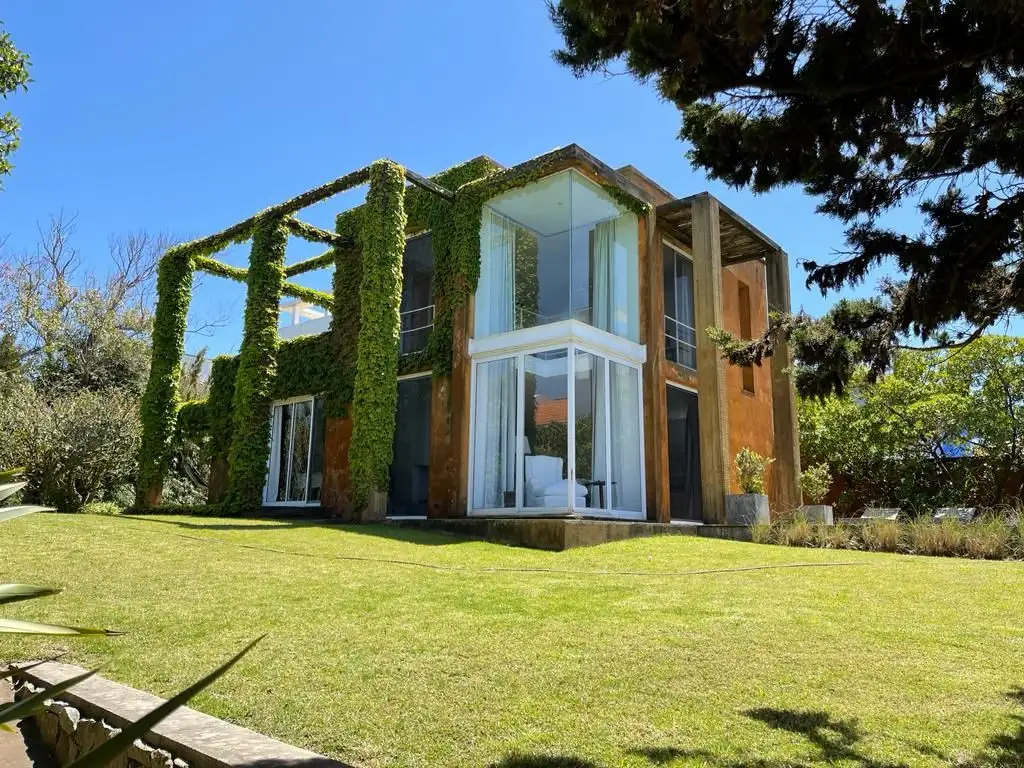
x=570, y=335
x=665, y=334
x=270, y=486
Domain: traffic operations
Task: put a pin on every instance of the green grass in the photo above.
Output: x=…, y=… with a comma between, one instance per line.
x=898, y=660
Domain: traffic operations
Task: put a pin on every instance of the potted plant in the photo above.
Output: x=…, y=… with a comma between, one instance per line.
x=751, y=506
x=815, y=482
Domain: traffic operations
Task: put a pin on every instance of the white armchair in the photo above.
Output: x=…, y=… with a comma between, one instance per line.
x=545, y=486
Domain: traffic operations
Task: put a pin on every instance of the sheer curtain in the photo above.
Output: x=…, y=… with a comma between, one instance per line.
x=494, y=470
x=603, y=275
x=625, y=427
x=494, y=307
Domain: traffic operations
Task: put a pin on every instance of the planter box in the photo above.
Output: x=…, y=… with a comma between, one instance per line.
x=818, y=513
x=747, y=509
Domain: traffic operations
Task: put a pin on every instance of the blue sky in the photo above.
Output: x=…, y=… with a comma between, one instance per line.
x=186, y=117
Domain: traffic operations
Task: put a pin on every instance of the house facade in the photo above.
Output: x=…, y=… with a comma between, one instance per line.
x=580, y=380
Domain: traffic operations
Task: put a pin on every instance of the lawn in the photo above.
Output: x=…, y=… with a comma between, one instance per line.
x=875, y=661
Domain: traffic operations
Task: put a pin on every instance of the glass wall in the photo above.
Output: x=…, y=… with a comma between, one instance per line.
x=410, y=464
x=680, y=320
x=295, y=472
x=417, y=307
x=556, y=250
x=580, y=437
x=683, y=455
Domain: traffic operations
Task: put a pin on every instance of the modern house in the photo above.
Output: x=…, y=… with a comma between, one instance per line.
x=571, y=374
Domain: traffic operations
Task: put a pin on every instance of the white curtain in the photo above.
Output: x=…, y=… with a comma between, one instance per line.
x=599, y=458
x=494, y=470
x=625, y=427
x=601, y=301
x=496, y=296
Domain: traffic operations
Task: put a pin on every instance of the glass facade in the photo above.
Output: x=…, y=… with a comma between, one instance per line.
x=558, y=249
x=295, y=472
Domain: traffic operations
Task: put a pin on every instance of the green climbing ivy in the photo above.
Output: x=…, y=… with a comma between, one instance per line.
x=159, y=408
x=193, y=421
x=257, y=367
x=375, y=390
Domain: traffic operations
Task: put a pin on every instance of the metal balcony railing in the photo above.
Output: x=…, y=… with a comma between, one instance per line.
x=416, y=325
x=680, y=343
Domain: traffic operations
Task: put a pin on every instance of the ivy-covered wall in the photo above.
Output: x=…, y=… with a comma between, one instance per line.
x=375, y=389
x=257, y=366
x=159, y=409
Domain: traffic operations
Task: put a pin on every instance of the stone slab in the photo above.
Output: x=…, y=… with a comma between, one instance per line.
x=199, y=739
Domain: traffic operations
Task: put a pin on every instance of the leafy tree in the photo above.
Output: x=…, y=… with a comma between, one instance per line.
x=868, y=105
x=942, y=428
x=13, y=77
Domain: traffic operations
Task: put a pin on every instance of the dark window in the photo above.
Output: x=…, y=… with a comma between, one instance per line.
x=680, y=324
x=417, y=308
x=745, y=333
x=683, y=455
x=410, y=463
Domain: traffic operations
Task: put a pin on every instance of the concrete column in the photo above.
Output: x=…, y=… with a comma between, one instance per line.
x=784, y=409
x=712, y=399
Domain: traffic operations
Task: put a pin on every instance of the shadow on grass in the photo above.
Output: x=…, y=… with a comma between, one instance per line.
x=521, y=760
x=257, y=524
x=838, y=740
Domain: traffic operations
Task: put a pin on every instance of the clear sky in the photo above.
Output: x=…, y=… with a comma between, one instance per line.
x=186, y=117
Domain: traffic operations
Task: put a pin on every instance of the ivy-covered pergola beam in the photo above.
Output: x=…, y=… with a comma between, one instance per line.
x=241, y=275
x=430, y=186
x=325, y=259
x=242, y=231
x=315, y=234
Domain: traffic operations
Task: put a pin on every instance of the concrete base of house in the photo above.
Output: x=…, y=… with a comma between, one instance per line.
x=559, y=534
x=747, y=509
x=818, y=513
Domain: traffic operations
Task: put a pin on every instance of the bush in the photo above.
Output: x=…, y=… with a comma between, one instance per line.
x=838, y=536
x=797, y=532
x=105, y=508
x=815, y=482
x=944, y=539
x=881, y=536
x=762, y=533
x=750, y=467
x=988, y=539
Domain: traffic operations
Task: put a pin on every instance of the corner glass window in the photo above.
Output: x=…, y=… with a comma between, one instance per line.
x=558, y=249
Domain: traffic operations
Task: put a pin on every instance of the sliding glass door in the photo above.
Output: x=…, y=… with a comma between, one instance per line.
x=557, y=430
x=295, y=471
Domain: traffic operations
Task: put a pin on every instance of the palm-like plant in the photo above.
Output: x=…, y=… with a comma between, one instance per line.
x=10, y=593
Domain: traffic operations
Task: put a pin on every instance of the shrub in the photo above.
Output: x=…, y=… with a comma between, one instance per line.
x=762, y=533
x=944, y=539
x=815, y=482
x=838, y=536
x=881, y=536
x=988, y=539
x=750, y=467
x=105, y=508
x=798, y=532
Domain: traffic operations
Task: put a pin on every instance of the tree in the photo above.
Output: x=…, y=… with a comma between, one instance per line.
x=869, y=105
x=944, y=427
x=13, y=77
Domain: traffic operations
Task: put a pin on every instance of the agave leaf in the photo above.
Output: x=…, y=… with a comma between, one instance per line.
x=12, y=671
x=25, y=707
x=14, y=626
x=105, y=753
x=9, y=513
x=12, y=593
x=10, y=475
x=9, y=489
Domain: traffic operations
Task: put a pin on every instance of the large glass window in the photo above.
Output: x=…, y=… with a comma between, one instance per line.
x=580, y=445
x=417, y=307
x=556, y=250
x=410, y=464
x=295, y=472
x=680, y=322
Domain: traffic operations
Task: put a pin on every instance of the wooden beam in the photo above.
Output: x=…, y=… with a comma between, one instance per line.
x=652, y=308
x=427, y=184
x=241, y=275
x=325, y=259
x=784, y=409
x=712, y=399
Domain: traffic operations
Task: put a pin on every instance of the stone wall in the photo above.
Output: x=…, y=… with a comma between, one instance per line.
x=95, y=710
